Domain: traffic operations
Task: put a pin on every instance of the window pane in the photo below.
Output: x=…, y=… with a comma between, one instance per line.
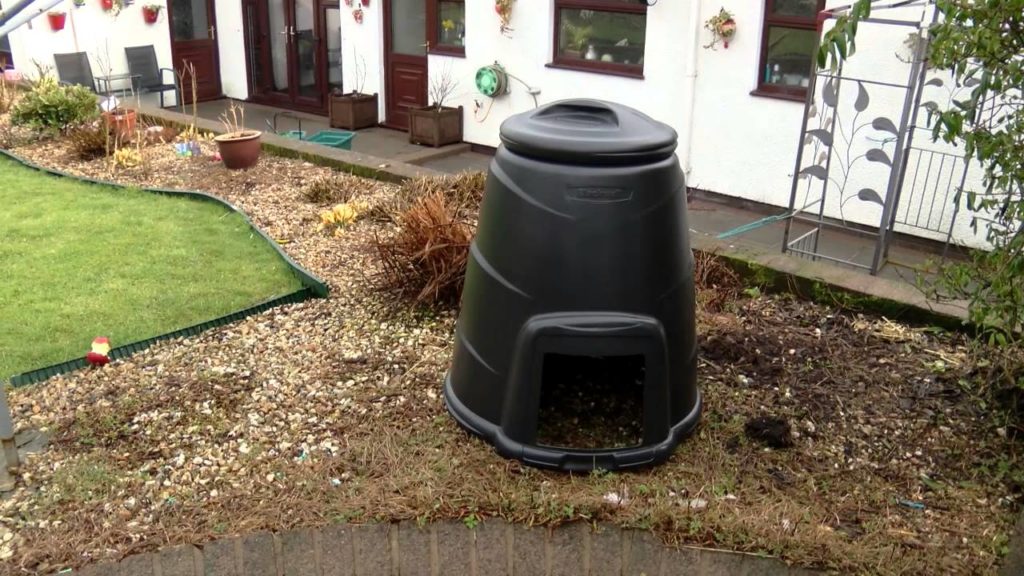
x=451, y=23
x=790, y=52
x=333, y=48
x=409, y=27
x=602, y=36
x=189, y=19
x=800, y=8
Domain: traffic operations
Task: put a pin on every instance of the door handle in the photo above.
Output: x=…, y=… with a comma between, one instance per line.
x=213, y=32
x=293, y=31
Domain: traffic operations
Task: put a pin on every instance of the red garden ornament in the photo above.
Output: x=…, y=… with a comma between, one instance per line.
x=107, y=5
x=366, y=3
x=57, y=20
x=358, y=15
x=99, y=354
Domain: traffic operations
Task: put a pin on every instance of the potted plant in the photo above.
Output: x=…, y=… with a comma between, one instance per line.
x=437, y=124
x=119, y=120
x=354, y=110
x=57, y=19
x=78, y=3
x=151, y=12
x=239, y=147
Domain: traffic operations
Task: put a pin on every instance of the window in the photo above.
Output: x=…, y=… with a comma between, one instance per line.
x=446, y=22
x=601, y=35
x=788, y=41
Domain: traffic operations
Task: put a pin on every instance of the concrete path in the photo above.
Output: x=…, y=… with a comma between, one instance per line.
x=494, y=548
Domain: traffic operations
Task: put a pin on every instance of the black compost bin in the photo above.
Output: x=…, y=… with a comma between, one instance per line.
x=575, y=346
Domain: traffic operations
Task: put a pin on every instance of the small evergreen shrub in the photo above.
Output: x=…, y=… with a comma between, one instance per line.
x=51, y=106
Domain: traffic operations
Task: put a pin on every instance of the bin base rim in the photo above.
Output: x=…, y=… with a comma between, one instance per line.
x=567, y=459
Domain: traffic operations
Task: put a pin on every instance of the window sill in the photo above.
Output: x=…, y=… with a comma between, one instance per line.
x=779, y=95
x=597, y=68
x=454, y=51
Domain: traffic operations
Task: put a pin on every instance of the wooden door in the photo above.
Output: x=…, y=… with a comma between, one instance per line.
x=405, y=59
x=194, y=41
x=286, y=51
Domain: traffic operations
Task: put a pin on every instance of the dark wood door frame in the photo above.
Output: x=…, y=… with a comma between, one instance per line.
x=203, y=53
x=412, y=68
x=257, y=47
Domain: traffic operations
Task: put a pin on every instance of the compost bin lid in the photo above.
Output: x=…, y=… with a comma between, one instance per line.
x=588, y=132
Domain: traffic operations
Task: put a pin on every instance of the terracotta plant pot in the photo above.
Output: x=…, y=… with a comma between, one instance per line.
x=57, y=20
x=435, y=127
x=107, y=4
x=353, y=111
x=150, y=15
x=239, y=150
x=120, y=122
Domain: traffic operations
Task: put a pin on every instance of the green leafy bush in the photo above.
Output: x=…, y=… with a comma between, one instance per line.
x=53, y=106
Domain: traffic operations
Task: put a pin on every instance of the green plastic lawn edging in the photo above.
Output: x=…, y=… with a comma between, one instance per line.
x=313, y=287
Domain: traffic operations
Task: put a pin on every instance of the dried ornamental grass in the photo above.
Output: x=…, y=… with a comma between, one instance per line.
x=425, y=260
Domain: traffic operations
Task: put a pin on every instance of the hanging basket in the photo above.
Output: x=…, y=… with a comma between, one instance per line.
x=366, y=3
x=107, y=5
x=150, y=14
x=57, y=20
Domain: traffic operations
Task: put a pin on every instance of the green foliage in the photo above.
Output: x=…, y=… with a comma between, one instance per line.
x=981, y=44
x=51, y=106
x=840, y=42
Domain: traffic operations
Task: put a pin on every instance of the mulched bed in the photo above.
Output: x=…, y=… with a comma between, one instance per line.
x=331, y=410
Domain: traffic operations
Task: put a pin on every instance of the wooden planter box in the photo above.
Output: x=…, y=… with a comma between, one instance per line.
x=353, y=111
x=435, y=127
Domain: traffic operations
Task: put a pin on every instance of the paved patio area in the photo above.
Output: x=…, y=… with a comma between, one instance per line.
x=379, y=142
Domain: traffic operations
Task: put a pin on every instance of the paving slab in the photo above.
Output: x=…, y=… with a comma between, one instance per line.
x=529, y=547
x=337, y=553
x=298, y=553
x=414, y=550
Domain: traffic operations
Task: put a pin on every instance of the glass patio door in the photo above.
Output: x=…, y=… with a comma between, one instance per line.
x=286, y=44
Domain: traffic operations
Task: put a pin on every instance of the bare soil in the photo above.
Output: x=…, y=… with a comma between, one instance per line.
x=331, y=410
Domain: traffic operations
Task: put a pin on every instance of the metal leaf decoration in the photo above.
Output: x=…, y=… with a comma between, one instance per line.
x=885, y=125
x=828, y=94
x=971, y=82
x=807, y=140
x=812, y=111
x=822, y=157
x=935, y=82
x=869, y=195
x=823, y=135
x=878, y=155
x=862, y=98
x=816, y=171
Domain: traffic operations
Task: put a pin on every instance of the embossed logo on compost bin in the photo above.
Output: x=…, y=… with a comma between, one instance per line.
x=599, y=194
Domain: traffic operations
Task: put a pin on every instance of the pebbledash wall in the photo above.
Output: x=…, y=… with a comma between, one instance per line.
x=731, y=142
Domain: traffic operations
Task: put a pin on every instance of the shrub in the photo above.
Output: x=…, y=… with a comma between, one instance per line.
x=52, y=106
x=7, y=95
x=90, y=141
x=464, y=192
x=328, y=189
x=425, y=259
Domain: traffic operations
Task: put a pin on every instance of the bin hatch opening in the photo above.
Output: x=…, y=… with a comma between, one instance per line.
x=591, y=402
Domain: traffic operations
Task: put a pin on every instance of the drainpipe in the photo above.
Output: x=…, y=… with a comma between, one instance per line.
x=27, y=14
x=11, y=12
x=690, y=84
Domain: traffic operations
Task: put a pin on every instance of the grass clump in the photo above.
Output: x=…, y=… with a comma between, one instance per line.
x=330, y=189
x=82, y=261
x=90, y=141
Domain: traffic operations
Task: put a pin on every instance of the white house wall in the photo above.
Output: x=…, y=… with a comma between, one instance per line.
x=92, y=30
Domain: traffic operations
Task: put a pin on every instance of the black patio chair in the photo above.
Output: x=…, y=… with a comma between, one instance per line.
x=74, y=68
x=149, y=76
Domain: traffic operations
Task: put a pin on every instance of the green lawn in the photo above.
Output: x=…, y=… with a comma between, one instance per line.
x=79, y=261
